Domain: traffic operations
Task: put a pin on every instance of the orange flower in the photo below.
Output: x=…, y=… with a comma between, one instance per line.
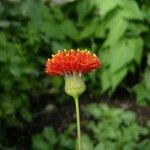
x=69, y=62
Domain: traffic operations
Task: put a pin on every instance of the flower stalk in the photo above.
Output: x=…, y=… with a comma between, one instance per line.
x=78, y=122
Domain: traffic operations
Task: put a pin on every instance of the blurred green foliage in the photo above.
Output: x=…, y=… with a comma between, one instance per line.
x=111, y=129
x=115, y=128
x=118, y=31
x=49, y=140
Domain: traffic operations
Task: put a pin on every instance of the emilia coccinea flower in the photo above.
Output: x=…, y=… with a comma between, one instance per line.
x=72, y=64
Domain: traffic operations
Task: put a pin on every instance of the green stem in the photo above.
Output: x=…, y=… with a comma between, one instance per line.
x=78, y=122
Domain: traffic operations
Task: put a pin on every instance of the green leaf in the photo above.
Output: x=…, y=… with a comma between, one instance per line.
x=83, y=8
x=3, y=40
x=147, y=78
x=57, y=82
x=26, y=114
x=35, y=10
x=144, y=145
x=68, y=28
x=38, y=143
x=146, y=12
x=66, y=141
x=56, y=45
x=135, y=29
x=131, y=10
x=2, y=8
x=58, y=14
x=3, y=55
x=87, y=143
x=4, y=24
x=137, y=46
x=117, y=77
x=105, y=145
x=122, y=53
x=50, y=30
x=7, y=107
x=50, y=135
x=105, y=79
x=93, y=110
x=104, y=54
x=117, y=27
x=105, y=6
x=100, y=30
x=142, y=94
x=15, y=70
x=148, y=59
x=89, y=30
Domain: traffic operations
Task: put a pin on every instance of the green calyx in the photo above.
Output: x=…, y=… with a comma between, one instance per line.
x=74, y=85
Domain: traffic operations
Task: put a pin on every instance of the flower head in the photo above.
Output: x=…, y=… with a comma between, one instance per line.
x=69, y=62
